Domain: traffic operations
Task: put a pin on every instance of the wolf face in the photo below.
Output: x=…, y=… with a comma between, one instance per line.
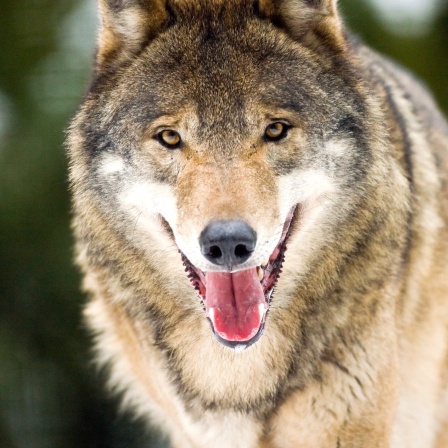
x=227, y=138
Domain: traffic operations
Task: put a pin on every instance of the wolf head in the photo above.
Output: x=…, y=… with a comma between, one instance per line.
x=226, y=130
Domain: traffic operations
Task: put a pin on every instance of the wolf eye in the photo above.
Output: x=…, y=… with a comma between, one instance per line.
x=275, y=131
x=169, y=138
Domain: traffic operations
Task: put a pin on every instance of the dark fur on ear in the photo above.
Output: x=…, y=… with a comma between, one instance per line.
x=312, y=21
x=127, y=25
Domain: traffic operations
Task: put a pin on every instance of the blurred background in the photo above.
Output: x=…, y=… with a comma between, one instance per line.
x=50, y=395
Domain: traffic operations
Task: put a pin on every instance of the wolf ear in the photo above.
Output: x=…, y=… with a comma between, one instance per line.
x=312, y=21
x=126, y=26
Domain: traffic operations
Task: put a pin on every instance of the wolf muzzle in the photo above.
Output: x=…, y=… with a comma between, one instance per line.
x=236, y=301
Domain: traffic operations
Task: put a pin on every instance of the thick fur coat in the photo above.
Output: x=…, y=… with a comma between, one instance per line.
x=266, y=116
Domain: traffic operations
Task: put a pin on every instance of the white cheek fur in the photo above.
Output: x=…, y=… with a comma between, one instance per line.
x=111, y=164
x=140, y=198
x=338, y=147
x=143, y=203
x=300, y=188
x=147, y=200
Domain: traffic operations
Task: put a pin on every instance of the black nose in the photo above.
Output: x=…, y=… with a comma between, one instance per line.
x=227, y=243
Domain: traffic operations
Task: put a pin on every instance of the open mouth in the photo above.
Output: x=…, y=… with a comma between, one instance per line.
x=237, y=303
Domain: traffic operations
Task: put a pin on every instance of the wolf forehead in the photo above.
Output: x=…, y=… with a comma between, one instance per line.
x=222, y=66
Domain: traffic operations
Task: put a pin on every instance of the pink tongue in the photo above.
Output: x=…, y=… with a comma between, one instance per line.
x=233, y=303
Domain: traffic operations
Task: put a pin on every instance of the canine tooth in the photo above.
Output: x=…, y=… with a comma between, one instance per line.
x=262, y=311
x=211, y=315
x=260, y=272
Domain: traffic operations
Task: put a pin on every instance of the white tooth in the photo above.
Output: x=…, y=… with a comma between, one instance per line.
x=260, y=272
x=211, y=315
x=263, y=265
x=262, y=310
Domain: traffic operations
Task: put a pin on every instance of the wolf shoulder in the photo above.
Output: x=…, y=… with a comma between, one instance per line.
x=417, y=127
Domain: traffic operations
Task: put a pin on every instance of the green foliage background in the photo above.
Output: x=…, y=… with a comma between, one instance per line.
x=50, y=396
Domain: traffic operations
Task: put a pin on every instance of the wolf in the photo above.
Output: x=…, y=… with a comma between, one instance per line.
x=261, y=218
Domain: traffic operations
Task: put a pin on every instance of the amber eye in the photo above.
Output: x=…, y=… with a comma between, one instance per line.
x=276, y=131
x=169, y=138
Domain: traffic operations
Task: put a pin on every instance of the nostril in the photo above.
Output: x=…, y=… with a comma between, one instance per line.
x=215, y=252
x=241, y=251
